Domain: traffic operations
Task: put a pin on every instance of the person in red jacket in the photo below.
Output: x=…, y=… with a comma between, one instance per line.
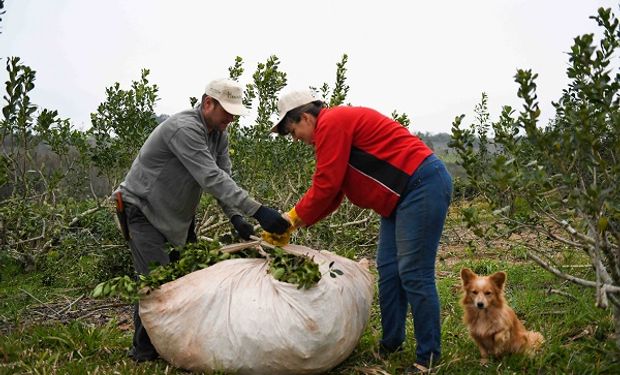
x=377, y=163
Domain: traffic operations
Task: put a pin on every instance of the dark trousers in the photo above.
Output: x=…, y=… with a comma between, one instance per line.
x=148, y=246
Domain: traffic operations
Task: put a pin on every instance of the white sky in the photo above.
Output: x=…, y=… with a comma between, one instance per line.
x=429, y=59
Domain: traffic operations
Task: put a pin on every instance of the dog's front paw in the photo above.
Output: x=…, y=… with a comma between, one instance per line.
x=484, y=361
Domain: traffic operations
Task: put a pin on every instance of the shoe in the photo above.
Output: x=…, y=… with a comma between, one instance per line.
x=417, y=369
x=385, y=352
x=143, y=357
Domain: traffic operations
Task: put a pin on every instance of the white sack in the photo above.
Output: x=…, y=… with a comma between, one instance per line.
x=234, y=316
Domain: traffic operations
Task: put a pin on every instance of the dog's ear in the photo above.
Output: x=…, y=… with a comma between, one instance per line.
x=467, y=275
x=498, y=278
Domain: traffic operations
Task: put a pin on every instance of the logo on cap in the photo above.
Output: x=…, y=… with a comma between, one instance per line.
x=229, y=94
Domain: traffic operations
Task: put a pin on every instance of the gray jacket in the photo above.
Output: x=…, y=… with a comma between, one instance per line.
x=177, y=162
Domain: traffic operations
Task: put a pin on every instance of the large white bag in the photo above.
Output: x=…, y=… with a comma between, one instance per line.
x=235, y=317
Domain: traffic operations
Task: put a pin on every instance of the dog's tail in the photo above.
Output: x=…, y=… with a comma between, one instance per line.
x=534, y=341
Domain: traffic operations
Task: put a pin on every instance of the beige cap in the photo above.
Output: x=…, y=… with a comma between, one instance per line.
x=290, y=101
x=229, y=94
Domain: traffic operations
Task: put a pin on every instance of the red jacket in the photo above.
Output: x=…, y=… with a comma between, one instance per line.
x=361, y=154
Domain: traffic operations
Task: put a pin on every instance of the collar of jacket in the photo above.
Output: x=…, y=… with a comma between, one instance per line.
x=202, y=119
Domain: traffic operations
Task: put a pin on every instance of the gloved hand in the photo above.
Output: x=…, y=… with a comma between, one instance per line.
x=285, y=238
x=278, y=239
x=271, y=220
x=292, y=217
x=243, y=228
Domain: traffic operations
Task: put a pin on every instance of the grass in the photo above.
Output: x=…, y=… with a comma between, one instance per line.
x=579, y=336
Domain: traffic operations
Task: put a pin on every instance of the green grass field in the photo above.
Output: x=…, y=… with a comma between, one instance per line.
x=60, y=330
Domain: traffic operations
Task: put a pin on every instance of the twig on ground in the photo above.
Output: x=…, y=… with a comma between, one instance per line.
x=361, y=221
x=102, y=307
x=38, y=300
x=554, y=312
x=40, y=313
x=587, y=331
x=70, y=305
x=556, y=291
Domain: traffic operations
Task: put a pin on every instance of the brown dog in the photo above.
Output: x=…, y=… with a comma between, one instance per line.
x=492, y=324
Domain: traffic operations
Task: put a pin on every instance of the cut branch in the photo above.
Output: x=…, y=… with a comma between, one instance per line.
x=79, y=217
x=361, y=221
x=606, y=287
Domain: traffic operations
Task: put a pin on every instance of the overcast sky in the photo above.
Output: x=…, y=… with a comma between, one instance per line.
x=429, y=59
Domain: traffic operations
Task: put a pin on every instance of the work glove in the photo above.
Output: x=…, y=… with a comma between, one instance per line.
x=271, y=220
x=243, y=228
x=278, y=239
x=284, y=238
x=292, y=217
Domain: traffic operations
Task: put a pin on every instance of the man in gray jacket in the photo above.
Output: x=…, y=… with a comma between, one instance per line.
x=183, y=156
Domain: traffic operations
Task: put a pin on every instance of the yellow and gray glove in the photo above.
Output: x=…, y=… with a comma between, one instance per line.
x=284, y=238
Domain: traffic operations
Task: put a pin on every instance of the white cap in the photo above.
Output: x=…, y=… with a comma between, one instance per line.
x=290, y=101
x=229, y=94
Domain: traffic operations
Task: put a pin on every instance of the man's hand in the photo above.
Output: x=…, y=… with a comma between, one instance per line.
x=271, y=220
x=243, y=228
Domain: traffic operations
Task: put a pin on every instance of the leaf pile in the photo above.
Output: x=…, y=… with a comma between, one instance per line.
x=298, y=270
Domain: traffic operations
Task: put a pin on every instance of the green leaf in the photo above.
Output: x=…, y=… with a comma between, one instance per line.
x=98, y=290
x=602, y=224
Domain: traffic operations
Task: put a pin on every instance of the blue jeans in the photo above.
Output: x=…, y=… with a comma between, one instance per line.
x=408, y=242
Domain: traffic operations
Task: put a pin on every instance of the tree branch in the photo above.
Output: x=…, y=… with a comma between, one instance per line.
x=41, y=236
x=564, y=224
x=77, y=219
x=361, y=221
x=606, y=287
